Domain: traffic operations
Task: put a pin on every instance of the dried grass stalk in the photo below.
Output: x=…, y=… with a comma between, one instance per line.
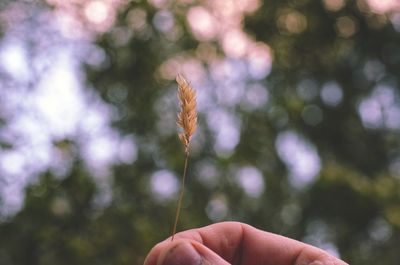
x=187, y=121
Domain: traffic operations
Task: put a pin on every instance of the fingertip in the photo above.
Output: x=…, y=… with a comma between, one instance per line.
x=183, y=252
x=156, y=251
x=179, y=252
x=151, y=258
x=314, y=256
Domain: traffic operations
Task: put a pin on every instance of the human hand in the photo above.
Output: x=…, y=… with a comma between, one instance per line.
x=236, y=243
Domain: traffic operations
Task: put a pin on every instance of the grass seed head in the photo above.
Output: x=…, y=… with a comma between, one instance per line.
x=187, y=117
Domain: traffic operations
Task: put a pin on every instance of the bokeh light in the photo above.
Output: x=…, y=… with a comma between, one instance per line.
x=301, y=158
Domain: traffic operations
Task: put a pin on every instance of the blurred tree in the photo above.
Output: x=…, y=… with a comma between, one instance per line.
x=299, y=110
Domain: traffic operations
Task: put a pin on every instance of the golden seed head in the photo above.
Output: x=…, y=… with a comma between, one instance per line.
x=187, y=117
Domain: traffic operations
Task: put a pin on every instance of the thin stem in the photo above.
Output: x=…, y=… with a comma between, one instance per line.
x=178, y=208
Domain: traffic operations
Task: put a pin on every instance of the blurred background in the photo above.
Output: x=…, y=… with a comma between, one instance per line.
x=299, y=125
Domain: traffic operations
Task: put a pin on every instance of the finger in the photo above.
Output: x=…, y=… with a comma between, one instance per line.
x=209, y=236
x=267, y=248
x=239, y=243
x=187, y=252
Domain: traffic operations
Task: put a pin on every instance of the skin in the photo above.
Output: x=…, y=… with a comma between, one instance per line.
x=237, y=244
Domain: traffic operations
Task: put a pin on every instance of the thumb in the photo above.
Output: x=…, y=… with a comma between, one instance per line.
x=187, y=252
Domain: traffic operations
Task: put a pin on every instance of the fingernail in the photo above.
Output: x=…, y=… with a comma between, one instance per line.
x=182, y=253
